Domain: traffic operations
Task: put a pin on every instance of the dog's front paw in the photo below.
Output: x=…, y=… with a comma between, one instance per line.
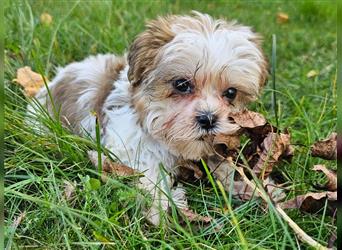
x=154, y=216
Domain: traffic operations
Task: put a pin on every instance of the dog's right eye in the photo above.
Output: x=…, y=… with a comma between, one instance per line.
x=183, y=85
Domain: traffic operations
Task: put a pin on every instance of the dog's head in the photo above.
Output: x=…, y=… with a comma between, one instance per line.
x=188, y=73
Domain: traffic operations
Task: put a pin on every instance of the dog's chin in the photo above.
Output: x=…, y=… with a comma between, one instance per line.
x=192, y=150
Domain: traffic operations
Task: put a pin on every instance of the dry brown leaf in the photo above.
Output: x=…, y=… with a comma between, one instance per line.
x=188, y=171
x=242, y=191
x=331, y=185
x=46, y=18
x=110, y=167
x=275, y=191
x=261, y=132
x=192, y=216
x=29, y=80
x=273, y=147
x=298, y=231
x=282, y=17
x=226, y=145
x=312, y=202
x=248, y=119
x=118, y=169
x=326, y=149
x=239, y=188
x=262, y=153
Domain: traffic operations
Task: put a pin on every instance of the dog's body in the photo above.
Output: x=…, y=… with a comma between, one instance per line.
x=183, y=77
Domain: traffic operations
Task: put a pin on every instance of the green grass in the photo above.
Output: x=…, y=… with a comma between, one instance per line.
x=36, y=167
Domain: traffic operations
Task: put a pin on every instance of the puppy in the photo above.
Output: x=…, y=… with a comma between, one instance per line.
x=181, y=78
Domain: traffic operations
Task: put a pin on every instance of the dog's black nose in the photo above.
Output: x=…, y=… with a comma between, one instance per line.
x=206, y=120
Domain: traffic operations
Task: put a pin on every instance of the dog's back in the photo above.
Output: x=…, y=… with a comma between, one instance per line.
x=79, y=90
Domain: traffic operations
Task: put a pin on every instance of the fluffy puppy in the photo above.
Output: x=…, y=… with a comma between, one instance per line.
x=181, y=78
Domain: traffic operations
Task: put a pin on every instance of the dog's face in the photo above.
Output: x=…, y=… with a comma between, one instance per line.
x=188, y=74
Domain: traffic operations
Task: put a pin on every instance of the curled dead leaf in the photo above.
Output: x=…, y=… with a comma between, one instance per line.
x=192, y=216
x=248, y=119
x=118, y=169
x=265, y=149
x=282, y=17
x=110, y=167
x=242, y=191
x=326, y=149
x=226, y=145
x=312, y=202
x=331, y=175
x=235, y=185
x=304, y=237
x=273, y=148
x=29, y=80
x=46, y=18
x=188, y=171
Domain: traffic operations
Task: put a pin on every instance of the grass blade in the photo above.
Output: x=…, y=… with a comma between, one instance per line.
x=273, y=72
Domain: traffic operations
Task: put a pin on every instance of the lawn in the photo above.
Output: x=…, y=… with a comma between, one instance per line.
x=108, y=215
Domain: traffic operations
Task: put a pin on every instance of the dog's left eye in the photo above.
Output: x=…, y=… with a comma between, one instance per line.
x=230, y=93
x=183, y=85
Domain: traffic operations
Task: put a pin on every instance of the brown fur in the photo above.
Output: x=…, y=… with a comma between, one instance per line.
x=113, y=69
x=143, y=52
x=66, y=93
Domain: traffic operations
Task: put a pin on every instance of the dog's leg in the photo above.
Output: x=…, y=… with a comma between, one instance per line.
x=179, y=197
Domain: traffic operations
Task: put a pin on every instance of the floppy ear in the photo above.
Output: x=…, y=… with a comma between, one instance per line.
x=257, y=39
x=263, y=64
x=142, y=56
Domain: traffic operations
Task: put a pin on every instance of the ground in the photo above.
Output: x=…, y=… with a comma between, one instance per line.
x=37, y=167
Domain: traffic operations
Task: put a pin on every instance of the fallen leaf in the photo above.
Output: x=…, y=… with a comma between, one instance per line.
x=312, y=73
x=264, y=150
x=312, y=202
x=69, y=190
x=273, y=148
x=118, y=169
x=261, y=131
x=331, y=185
x=326, y=149
x=275, y=191
x=304, y=237
x=46, y=18
x=110, y=167
x=248, y=119
x=188, y=171
x=242, y=191
x=226, y=145
x=29, y=80
x=282, y=17
x=192, y=216
x=236, y=186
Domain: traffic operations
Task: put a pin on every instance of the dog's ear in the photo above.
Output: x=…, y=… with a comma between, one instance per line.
x=142, y=56
x=264, y=64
